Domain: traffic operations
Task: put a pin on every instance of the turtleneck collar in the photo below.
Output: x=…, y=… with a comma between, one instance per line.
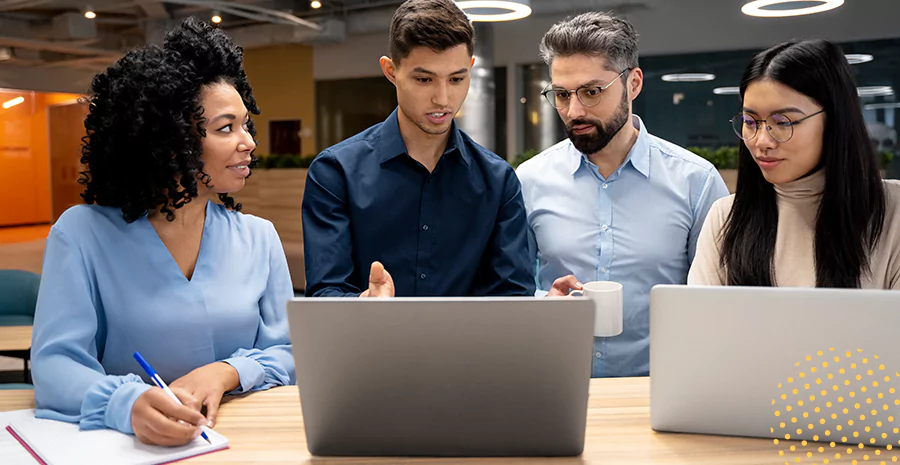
x=810, y=187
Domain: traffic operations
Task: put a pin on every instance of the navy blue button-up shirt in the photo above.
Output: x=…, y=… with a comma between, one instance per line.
x=460, y=230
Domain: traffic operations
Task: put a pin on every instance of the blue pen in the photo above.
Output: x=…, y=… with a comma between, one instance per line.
x=159, y=383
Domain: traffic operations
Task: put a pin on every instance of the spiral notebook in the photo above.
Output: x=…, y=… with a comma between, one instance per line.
x=53, y=442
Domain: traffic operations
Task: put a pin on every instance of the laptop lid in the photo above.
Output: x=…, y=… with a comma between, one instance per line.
x=785, y=363
x=443, y=376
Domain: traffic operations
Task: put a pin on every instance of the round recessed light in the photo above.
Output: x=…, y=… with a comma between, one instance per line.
x=875, y=91
x=216, y=17
x=727, y=90
x=495, y=10
x=89, y=13
x=858, y=58
x=315, y=4
x=881, y=106
x=759, y=8
x=688, y=77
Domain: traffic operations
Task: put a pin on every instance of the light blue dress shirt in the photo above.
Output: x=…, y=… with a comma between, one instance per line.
x=639, y=227
x=110, y=288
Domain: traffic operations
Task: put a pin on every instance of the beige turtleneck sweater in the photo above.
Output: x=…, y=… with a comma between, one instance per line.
x=798, y=202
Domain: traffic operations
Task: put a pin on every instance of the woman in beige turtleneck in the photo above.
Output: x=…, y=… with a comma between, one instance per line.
x=810, y=207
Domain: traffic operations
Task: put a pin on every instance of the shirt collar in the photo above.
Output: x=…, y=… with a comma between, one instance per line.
x=638, y=156
x=391, y=143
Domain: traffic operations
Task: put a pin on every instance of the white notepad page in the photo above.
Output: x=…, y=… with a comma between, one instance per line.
x=11, y=452
x=61, y=443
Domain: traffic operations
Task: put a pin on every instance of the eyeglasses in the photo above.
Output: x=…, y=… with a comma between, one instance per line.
x=589, y=96
x=779, y=126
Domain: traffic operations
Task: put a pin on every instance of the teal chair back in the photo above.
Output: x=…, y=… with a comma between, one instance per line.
x=18, y=297
x=15, y=387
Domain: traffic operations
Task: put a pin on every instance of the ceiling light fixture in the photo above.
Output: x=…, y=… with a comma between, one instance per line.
x=727, y=90
x=5, y=53
x=495, y=10
x=858, y=58
x=759, y=8
x=688, y=77
x=216, y=17
x=251, y=12
x=875, y=91
x=881, y=106
x=315, y=4
x=89, y=12
x=11, y=103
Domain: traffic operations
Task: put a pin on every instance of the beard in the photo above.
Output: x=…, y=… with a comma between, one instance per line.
x=590, y=144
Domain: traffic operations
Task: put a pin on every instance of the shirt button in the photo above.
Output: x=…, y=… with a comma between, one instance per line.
x=604, y=228
x=422, y=276
x=603, y=270
x=424, y=227
x=598, y=355
x=605, y=185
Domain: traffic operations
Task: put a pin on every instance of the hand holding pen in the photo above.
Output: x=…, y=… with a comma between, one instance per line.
x=154, y=411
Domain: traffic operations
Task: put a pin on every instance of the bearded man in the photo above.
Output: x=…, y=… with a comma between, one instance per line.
x=612, y=202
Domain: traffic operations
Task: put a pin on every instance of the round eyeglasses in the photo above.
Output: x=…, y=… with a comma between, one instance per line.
x=779, y=126
x=589, y=95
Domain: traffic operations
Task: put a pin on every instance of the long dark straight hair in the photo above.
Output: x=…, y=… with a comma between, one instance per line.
x=852, y=207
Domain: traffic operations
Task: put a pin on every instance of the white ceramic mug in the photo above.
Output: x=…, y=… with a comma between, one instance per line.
x=607, y=297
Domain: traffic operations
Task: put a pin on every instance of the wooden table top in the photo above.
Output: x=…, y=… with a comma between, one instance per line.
x=267, y=427
x=15, y=338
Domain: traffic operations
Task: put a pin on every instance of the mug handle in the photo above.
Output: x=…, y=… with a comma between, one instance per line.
x=576, y=293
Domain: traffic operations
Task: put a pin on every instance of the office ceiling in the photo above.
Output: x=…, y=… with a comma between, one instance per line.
x=55, y=33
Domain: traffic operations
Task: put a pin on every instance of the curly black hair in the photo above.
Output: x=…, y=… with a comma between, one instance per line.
x=142, y=151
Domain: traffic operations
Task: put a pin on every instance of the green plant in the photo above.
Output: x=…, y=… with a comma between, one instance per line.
x=523, y=157
x=723, y=158
x=275, y=161
x=726, y=157
x=885, y=158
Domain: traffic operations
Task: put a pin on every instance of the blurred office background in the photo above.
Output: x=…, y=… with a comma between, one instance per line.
x=314, y=69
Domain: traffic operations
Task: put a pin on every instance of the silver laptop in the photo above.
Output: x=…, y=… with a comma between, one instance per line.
x=443, y=376
x=784, y=363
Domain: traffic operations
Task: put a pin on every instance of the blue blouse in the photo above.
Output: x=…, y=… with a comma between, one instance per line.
x=110, y=288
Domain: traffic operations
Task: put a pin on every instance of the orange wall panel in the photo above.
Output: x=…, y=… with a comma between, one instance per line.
x=16, y=159
x=42, y=141
x=25, y=156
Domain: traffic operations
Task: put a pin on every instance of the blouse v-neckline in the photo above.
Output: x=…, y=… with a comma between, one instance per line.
x=171, y=263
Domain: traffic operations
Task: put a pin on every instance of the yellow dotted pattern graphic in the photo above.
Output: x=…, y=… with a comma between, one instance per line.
x=845, y=402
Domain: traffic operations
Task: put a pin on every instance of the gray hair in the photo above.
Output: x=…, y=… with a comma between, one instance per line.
x=593, y=34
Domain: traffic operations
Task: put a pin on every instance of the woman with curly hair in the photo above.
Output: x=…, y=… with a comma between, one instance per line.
x=152, y=263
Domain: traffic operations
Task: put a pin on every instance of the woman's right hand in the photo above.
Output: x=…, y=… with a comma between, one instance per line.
x=155, y=418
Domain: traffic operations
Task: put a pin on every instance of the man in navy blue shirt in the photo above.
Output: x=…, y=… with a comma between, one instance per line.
x=414, y=194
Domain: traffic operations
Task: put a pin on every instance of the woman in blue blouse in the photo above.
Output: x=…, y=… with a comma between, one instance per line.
x=151, y=263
